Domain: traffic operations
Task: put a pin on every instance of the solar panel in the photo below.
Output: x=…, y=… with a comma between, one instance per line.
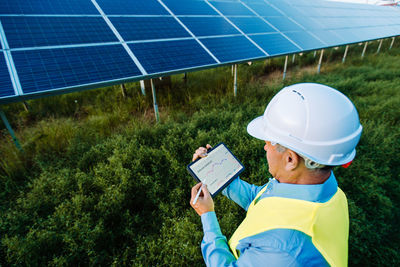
x=209, y=26
x=263, y=9
x=148, y=28
x=131, y=7
x=46, y=69
x=328, y=37
x=54, y=46
x=189, y=7
x=252, y=25
x=232, y=8
x=51, y=31
x=231, y=49
x=309, y=23
x=283, y=24
x=348, y=35
x=305, y=40
x=6, y=88
x=41, y=7
x=274, y=44
x=158, y=57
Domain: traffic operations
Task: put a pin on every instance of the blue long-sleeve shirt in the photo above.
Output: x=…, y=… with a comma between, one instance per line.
x=278, y=247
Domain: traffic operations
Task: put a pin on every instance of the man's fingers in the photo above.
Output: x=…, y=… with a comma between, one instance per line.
x=208, y=146
x=206, y=193
x=200, y=152
x=195, y=189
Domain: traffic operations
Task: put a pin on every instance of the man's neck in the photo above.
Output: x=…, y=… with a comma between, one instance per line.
x=306, y=177
x=317, y=177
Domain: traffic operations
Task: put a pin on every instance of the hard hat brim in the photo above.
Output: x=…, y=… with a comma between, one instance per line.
x=255, y=129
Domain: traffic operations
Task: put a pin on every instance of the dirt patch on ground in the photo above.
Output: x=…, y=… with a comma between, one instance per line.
x=277, y=75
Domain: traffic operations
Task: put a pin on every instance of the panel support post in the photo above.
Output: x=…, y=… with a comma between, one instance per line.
x=285, y=68
x=379, y=47
x=315, y=53
x=293, y=58
x=26, y=106
x=391, y=44
x=185, y=77
x=320, y=61
x=365, y=49
x=235, y=81
x=233, y=67
x=10, y=130
x=142, y=87
x=345, y=53
x=123, y=90
x=153, y=90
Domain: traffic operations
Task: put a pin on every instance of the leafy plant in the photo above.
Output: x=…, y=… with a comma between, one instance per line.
x=100, y=183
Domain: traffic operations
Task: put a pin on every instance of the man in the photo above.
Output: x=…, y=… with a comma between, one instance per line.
x=300, y=217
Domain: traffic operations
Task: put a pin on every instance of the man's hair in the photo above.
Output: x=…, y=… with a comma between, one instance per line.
x=310, y=165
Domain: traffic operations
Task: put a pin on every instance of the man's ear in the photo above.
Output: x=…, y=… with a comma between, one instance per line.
x=292, y=160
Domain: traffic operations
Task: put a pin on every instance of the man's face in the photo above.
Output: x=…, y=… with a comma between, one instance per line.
x=275, y=160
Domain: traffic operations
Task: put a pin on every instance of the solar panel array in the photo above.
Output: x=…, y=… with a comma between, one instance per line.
x=56, y=46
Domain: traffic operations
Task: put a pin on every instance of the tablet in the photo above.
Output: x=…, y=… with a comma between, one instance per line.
x=217, y=170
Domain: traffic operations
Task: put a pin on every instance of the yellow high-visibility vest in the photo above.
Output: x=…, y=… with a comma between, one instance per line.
x=326, y=223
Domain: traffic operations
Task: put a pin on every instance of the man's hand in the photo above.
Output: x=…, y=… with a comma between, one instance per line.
x=205, y=202
x=201, y=152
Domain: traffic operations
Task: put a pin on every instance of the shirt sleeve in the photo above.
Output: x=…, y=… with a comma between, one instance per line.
x=241, y=192
x=214, y=246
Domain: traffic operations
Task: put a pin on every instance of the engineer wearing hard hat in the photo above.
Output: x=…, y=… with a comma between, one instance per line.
x=300, y=217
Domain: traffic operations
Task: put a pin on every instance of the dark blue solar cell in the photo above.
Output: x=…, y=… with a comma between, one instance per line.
x=145, y=28
x=283, y=24
x=157, y=57
x=389, y=30
x=329, y=37
x=367, y=33
x=252, y=1
x=6, y=87
x=232, y=8
x=46, y=69
x=189, y=7
x=132, y=7
x=281, y=4
x=291, y=11
x=350, y=35
x=71, y=7
x=263, y=9
x=307, y=22
x=229, y=49
x=208, y=26
x=252, y=25
x=305, y=40
x=45, y=31
x=275, y=44
x=327, y=23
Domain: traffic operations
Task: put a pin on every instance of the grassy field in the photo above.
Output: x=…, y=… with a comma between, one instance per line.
x=100, y=183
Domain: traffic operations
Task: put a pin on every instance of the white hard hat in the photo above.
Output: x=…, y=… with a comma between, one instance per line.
x=314, y=120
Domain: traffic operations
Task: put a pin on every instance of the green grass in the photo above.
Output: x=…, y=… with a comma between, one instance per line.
x=100, y=183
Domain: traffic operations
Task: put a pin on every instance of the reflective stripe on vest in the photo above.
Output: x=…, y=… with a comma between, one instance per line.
x=326, y=223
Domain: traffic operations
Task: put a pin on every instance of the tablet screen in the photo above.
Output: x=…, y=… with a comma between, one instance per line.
x=217, y=169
